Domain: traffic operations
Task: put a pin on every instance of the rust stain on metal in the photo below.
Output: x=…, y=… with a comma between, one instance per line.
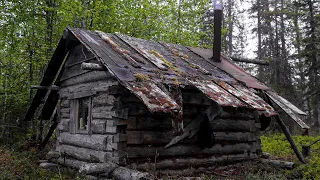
x=275, y=98
x=253, y=99
x=231, y=69
x=122, y=51
x=218, y=94
x=153, y=97
x=177, y=120
x=143, y=51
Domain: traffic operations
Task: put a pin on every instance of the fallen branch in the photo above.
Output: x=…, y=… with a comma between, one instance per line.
x=253, y=61
x=278, y=163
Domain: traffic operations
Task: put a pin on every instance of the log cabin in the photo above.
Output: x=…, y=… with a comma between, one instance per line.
x=149, y=105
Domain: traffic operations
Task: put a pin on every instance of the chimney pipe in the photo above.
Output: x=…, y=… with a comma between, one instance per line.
x=218, y=7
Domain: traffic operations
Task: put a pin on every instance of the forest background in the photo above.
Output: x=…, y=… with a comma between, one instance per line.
x=287, y=35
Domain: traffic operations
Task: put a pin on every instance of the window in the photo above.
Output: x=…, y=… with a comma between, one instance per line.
x=82, y=114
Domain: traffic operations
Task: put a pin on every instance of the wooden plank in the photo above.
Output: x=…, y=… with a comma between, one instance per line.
x=91, y=76
x=81, y=94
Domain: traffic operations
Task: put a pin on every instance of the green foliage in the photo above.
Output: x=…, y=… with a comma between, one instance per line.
x=278, y=146
x=23, y=165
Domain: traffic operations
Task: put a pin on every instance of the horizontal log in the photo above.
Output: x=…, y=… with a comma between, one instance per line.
x=152, y=123
x=90, y=76
x=46, y=165
x=181, y=163
x=163, y=138
x=278, y=163
x=84, y=154
x=252, y=61
x=106, y=142
x=233, y=125
x=72, y=163
x=103, y=99
x=92, y=67
x=96, y=142
x=189, y=150
x=96, y=86
x=110, y=169
x=98, y=126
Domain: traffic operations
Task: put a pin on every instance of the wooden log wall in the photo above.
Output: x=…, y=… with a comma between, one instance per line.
x=236, y=132
x=105, y=140
x=123, y=130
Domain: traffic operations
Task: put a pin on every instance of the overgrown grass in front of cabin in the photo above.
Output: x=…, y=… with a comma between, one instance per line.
x=18, y=163
x=279, y=148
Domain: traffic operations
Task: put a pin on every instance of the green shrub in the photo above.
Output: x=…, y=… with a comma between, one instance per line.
x=278, y=146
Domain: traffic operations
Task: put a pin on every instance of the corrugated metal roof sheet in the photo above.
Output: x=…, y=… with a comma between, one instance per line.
x=142, y=65
x=289, y=109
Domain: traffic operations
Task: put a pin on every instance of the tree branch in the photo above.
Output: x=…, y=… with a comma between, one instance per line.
x=253, y=61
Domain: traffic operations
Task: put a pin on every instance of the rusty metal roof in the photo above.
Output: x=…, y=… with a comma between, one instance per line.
x=143, y=66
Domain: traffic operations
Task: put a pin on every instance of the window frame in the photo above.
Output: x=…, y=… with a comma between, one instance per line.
x=74, y=115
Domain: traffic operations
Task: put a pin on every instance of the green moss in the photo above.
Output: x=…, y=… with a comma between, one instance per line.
x=141, y=77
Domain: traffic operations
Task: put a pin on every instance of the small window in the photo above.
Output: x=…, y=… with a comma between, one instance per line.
x=83, y=114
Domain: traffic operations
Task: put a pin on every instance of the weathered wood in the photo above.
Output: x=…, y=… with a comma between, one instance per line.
x=103, y=112
x=98, y=126
x=46, y=165
x=289, y=138
x=52, y=87
x=81, y=94
x=65, y=103
x=103, y=99
x=95, y=86
x=112, y=169
x=84, y=153
x=252, y=61
x=63, y=125
x=236, y=114
x=104, y=142
x=51, y=130
x=150, y=123
x=278, y=163
x=96, y=142
x=233, y=125
x=92, y=67
x=187, y=150
x=123, y=173
x=92, y=76
x=179, y=163
x=161, y=138
x=52, y=155
x=73, y=163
